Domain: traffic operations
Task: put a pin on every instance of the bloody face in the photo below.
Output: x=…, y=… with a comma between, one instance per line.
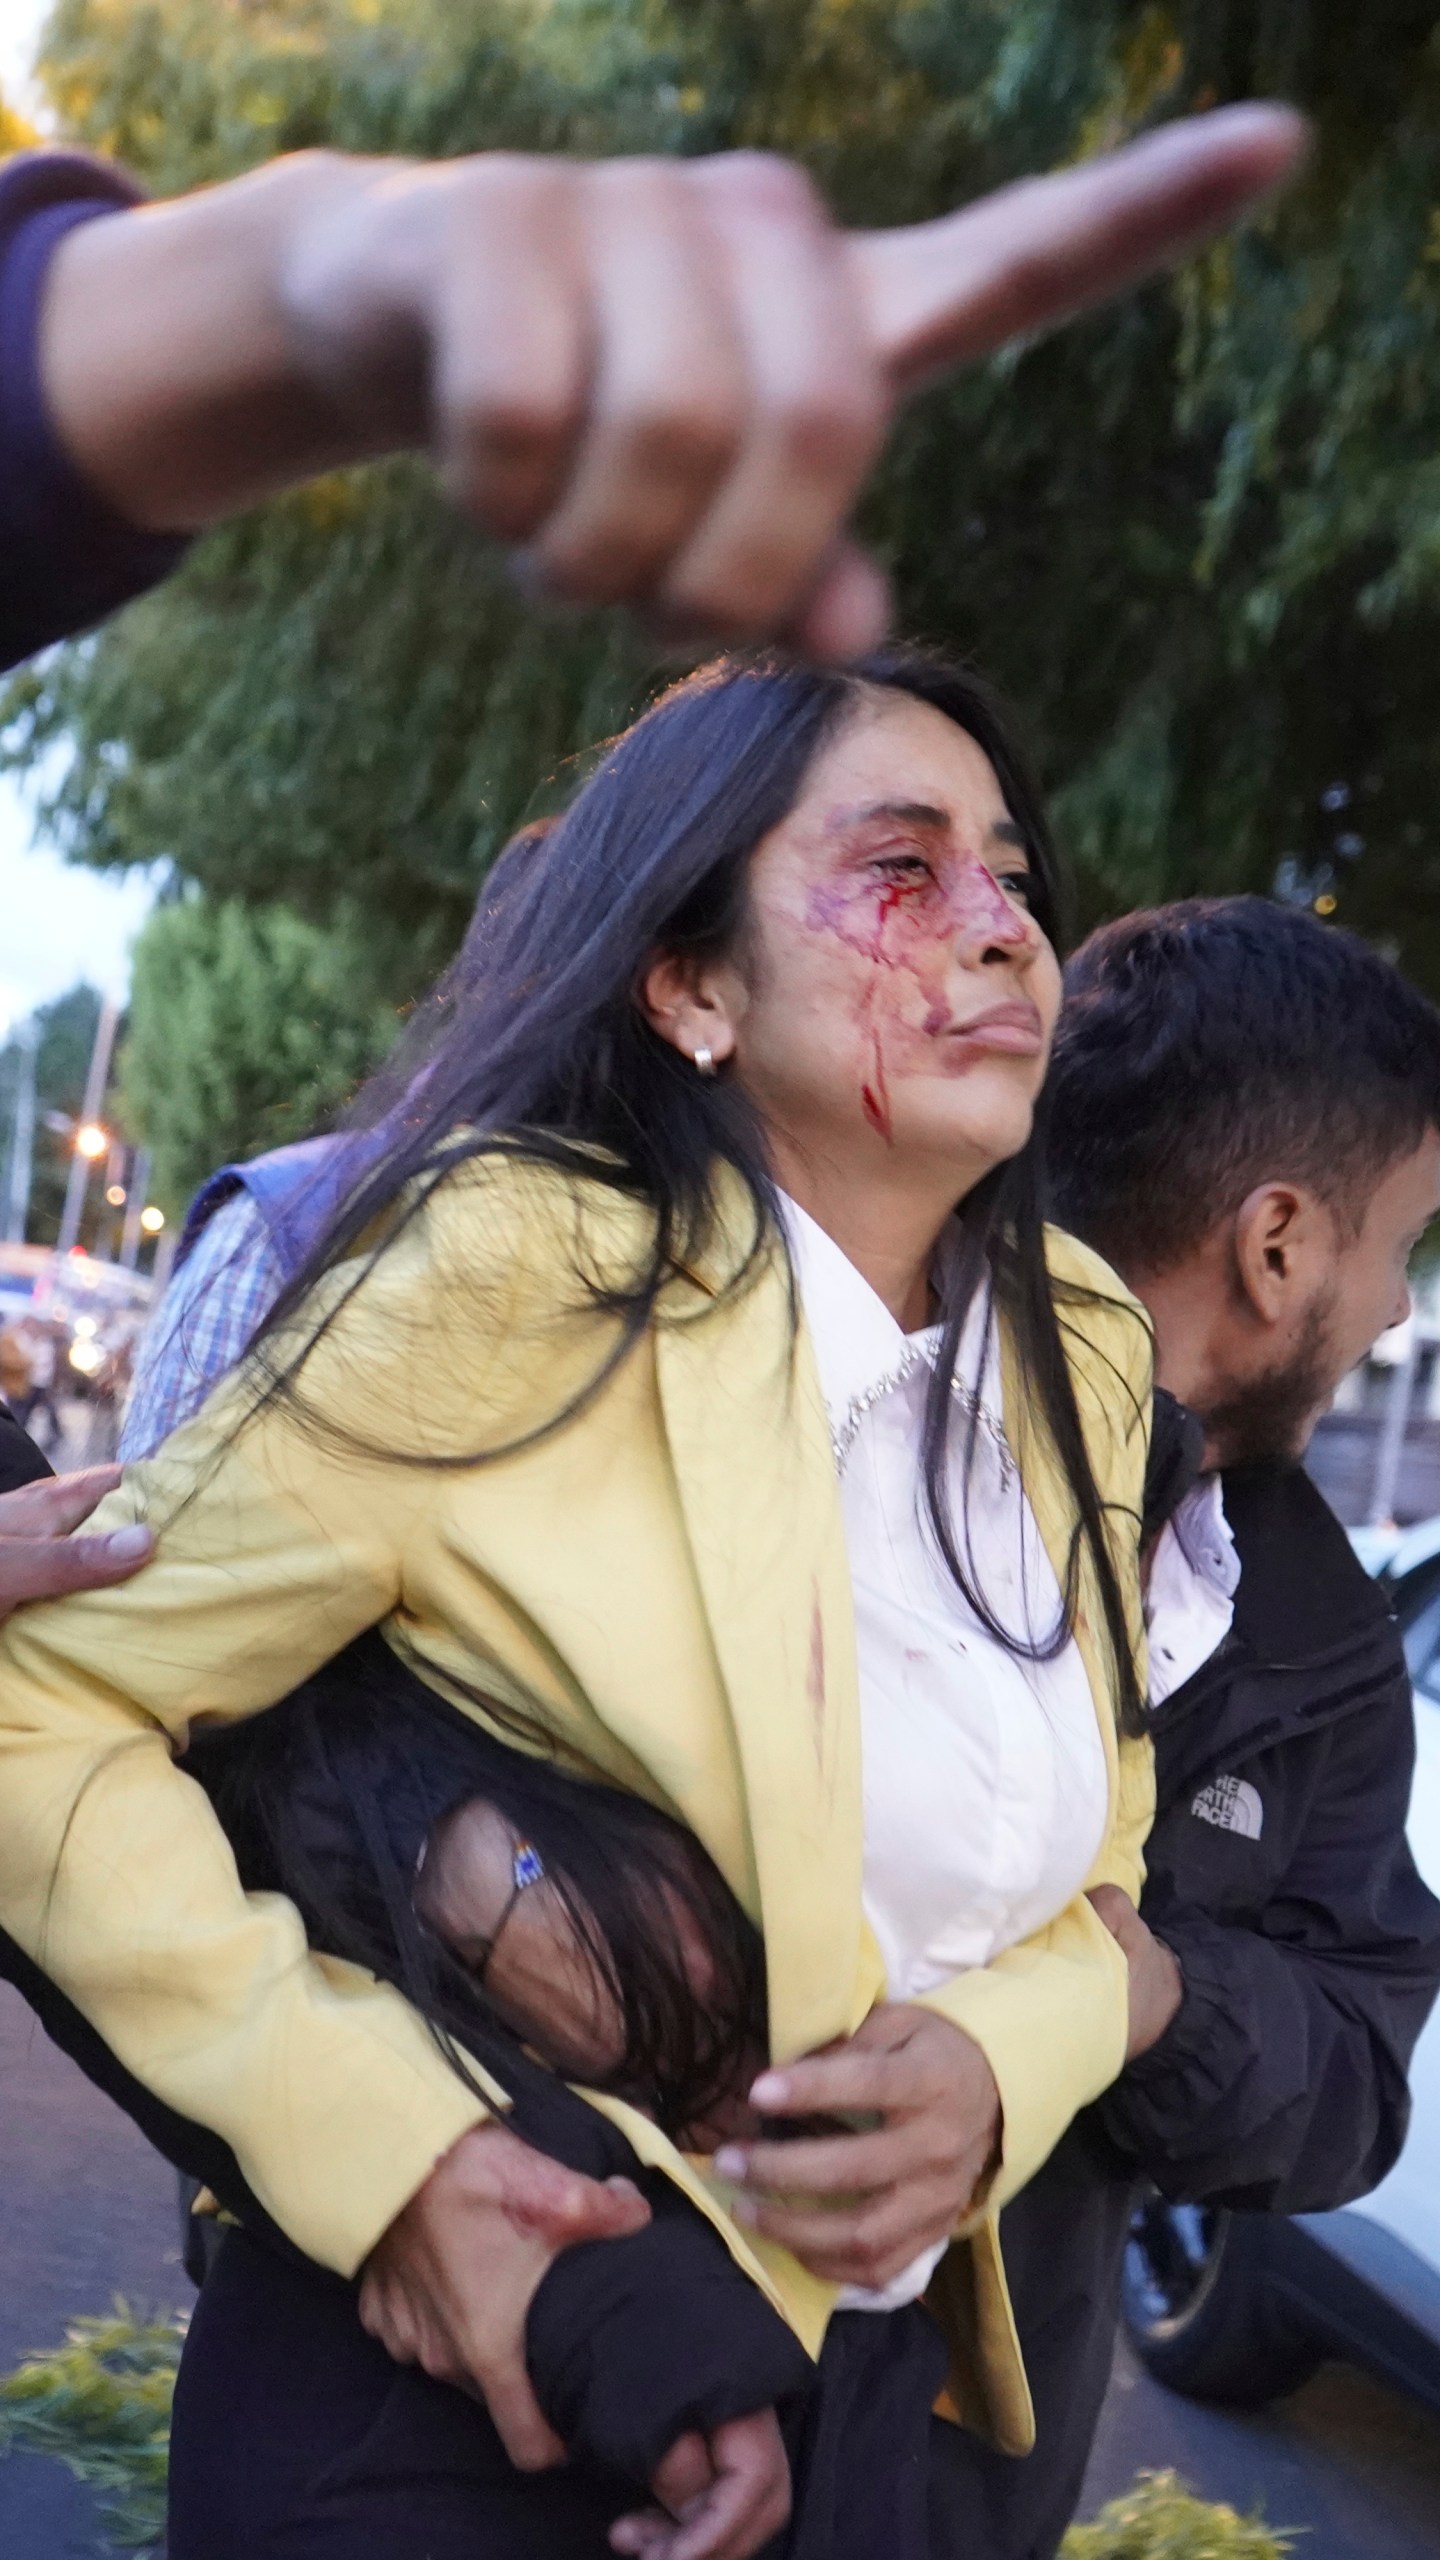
x=895, y=991
x=905, y=894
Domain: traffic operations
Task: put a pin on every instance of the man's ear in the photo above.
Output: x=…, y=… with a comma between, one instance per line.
x=1280, y=1229
x=684, y=999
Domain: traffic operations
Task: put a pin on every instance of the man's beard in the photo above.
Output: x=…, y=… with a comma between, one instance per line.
x=1272, y=1416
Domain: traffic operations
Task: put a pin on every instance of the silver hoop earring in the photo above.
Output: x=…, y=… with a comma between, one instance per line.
x=704, y=1062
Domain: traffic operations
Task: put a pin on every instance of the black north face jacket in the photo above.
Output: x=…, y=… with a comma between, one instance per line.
x=1279, y=1872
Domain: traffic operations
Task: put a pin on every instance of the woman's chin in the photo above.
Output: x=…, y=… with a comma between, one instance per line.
x=926, y=1129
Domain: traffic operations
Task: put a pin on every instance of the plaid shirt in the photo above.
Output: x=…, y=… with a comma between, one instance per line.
x=201, y=1327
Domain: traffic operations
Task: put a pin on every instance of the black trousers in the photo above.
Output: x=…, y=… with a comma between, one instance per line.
x=296, y=2438
x=1064, y=2243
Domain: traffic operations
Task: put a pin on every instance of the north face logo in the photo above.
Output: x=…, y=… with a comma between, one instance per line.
x=1232, y=1805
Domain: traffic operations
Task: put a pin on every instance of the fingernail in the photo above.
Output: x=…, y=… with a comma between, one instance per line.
x=124, y=1544
x=730, y=2162
x=770, y=2090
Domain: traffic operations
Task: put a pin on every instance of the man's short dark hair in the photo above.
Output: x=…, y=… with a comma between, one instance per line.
x=1210, y=1046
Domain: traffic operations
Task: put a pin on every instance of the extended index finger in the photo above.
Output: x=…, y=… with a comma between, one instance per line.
x=1035, y=254
x=844, y=2164
x=858, y=2077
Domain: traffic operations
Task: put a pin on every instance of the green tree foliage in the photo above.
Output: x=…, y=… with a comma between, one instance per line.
x=249, y=1027
x=1197, y=537
x=67, y=1035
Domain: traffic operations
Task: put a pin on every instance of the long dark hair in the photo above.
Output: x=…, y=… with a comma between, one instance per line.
x=534, y=1046
x=330, y=1799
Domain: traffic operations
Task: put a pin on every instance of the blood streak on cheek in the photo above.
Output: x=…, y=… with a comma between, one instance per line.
x=894, y=928
x=875, y=1100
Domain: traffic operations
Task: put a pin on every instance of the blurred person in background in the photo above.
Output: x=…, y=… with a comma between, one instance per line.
x=16, y=1372
x=251, y=1225
x=1244, y=1118
x=45, y=1344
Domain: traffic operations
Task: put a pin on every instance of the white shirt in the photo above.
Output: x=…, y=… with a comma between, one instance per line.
x=985, y=1788
x=1190, y=1603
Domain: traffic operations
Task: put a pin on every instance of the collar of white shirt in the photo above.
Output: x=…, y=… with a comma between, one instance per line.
x=861, y=1352
x=1194, y=1575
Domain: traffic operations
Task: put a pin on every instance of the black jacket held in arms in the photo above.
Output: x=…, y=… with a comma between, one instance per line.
x=1279, y=1872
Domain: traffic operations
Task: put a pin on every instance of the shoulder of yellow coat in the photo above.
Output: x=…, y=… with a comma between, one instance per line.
x=506, y=1218
x=1109, y=1337
x=1077, y=1264
x=488, y=1302
x=472, y=1312
x=1110, y=1347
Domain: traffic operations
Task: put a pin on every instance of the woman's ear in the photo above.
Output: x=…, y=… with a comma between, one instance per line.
x=1280, y=1229
x=683, y=1000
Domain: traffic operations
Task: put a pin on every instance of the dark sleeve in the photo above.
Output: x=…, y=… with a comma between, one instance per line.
x=66, y=557
x=633, y=2343
x=1281, y=2085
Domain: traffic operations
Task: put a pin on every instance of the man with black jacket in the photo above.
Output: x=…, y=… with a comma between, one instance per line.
x=1246, y=1122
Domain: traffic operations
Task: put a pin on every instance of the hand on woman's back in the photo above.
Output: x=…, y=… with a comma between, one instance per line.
x=40, y=1557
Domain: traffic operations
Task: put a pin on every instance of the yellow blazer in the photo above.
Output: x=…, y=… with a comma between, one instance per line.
x=661, y=1585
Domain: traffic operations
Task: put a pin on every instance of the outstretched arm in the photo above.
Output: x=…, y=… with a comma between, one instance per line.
x=667, y=380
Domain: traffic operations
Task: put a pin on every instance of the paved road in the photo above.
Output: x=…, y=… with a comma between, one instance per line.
x=1347, y=2459
x=87, y=2211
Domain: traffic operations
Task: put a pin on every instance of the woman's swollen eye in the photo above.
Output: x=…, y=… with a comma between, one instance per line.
x=902, y=866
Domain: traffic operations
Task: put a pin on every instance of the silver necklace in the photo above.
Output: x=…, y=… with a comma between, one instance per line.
x=842, y=1440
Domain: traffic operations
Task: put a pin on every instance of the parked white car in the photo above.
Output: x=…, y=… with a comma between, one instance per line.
x=1242, y=2307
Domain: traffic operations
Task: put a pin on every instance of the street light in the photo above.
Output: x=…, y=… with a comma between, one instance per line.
x=152, y=1220
x=91, y=1139
x=116, y=1195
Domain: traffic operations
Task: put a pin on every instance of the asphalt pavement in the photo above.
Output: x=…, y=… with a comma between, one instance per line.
x=87, y=2211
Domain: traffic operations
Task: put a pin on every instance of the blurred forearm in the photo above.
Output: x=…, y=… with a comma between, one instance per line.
x=206, y=408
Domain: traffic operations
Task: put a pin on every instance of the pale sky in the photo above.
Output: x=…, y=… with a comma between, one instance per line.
x=57, y=923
